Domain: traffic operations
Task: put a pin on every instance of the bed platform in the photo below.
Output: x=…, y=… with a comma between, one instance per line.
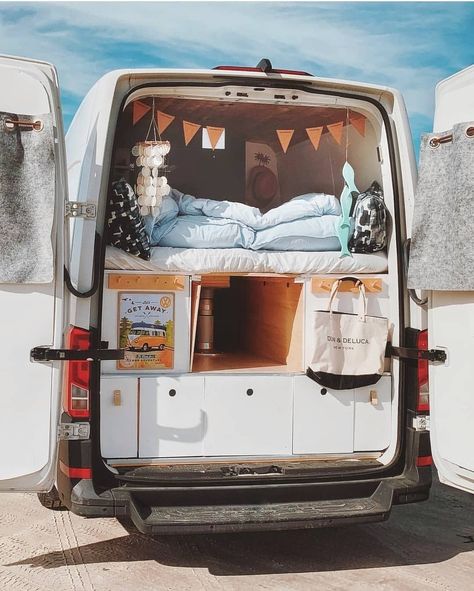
x=240, y=260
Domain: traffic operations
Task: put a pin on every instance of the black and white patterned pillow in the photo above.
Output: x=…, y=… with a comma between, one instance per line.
x=125, y=227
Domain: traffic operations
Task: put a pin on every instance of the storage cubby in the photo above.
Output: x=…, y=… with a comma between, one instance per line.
x=257, y=326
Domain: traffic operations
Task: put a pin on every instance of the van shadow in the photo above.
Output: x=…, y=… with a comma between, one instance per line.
x=423, y=533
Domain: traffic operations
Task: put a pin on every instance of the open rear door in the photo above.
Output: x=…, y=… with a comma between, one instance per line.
x=451, y=327
x=32, y=196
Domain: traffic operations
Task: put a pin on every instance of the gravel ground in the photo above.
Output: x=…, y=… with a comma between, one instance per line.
x=426, y=546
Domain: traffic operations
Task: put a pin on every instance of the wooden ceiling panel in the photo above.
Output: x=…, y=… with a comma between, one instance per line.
x=251, y=121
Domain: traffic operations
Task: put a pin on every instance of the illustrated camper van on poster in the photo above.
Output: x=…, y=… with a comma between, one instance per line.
x=146, y=330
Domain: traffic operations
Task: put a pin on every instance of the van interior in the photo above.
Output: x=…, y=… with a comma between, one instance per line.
x=229, y=383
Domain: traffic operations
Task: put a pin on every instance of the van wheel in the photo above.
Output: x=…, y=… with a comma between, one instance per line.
x=145, y=347
x=51, y=500
x=161, y=347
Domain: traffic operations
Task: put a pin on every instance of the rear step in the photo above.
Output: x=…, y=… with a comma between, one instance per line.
x=184, y=519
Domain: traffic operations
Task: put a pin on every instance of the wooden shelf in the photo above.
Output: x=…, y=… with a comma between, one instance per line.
x=237, y=362
x=146, y=282
x=324, y=285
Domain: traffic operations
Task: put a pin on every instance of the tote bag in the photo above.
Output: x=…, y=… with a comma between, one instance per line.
x=350, y=348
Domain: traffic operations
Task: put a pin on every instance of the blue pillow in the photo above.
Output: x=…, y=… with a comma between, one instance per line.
x=309, y=234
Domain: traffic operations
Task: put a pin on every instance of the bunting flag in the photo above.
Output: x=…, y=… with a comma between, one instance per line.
x=336, y=129
x=314, y=134
x=164, y=121
x=358, y=122
x=285, y=135
x=139, y=110
x=214, y=134
x=190, y=130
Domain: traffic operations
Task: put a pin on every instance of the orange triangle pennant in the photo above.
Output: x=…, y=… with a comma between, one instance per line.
x=190, y=130
x=314, y=134
x=139, y=110
x=285, y=135
x=164, y=121
x=214, y=134
x=358, y=123
x=336, y=129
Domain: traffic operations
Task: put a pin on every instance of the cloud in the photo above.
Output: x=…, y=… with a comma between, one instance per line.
x=385, y=43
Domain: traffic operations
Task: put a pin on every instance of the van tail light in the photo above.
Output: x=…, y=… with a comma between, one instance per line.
x=77, y=375
x=423, y=384
x=78, y=473
x=424, y=461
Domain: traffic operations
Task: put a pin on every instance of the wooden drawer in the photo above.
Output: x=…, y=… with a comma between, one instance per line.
x=248, y=415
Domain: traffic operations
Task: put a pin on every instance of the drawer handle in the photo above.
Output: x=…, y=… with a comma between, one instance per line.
x=249, y=392
x=172, y=392
x=374, y=398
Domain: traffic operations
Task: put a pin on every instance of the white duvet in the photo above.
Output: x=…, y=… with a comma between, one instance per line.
x=191, y=261
x=305, y=223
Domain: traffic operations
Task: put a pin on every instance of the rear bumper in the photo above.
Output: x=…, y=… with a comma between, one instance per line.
x=177, y=510
x=258, y=517
x=236, y=504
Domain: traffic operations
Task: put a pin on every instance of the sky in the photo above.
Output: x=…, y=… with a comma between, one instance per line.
x=408, y=45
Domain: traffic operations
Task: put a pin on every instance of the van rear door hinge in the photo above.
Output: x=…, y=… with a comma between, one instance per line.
x=41, y=354
x=433, y=355
x=421, y=423
x=78, y=209
x=74, y=431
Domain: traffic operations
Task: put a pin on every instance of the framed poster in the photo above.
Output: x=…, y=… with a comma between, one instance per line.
x=146, y=330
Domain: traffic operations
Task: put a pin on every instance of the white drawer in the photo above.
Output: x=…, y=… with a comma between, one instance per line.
x=172, y=417
x=373, y=422
x=248, y=415
x=118, y=417
x=323, y=419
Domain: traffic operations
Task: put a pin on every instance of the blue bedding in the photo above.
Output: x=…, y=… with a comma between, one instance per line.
x=306, y=222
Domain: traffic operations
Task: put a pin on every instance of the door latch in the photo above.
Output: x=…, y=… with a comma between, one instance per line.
x=433, y=355
x=43, y=354
x=74, y=431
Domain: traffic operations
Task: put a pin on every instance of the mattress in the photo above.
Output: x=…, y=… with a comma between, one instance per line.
x=239, y=260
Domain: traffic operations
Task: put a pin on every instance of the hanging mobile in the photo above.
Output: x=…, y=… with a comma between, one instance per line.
x=345, y=199
x=150, y=157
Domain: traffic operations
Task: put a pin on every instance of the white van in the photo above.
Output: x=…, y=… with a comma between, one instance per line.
x=236, y=437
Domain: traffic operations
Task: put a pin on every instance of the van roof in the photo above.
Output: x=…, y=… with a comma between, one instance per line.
x=143, y=75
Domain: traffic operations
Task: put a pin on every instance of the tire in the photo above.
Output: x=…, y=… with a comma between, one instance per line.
x=145, y=348
x=51, y=500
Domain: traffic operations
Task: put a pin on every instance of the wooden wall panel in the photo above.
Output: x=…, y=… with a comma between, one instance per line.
x=271, y=314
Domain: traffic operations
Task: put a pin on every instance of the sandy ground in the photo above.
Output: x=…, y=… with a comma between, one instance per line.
x=424, y=546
